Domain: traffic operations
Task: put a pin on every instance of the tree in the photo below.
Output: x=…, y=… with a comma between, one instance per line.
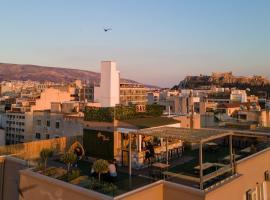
x=68, y=158
x=101, y=167
x=44, y=155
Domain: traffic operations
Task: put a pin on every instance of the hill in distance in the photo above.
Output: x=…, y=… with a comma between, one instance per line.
x=26, y=72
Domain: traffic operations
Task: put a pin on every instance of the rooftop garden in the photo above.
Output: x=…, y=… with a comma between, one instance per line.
x=122, y=113
x=151, y=122
x=90, y=175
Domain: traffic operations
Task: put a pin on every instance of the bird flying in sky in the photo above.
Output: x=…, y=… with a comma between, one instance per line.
x=107, y=29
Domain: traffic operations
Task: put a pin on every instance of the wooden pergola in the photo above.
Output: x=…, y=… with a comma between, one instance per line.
x=197, y=136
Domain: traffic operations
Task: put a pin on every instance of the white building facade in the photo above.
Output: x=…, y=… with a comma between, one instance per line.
x=108, y=94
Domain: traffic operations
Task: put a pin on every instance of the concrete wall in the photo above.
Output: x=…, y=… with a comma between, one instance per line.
x=185, y=121
x=265, y=118
x=154, y=191
x=252, y=170
x=46, y=188
x=31, y=150
x=173, y=191
x=10, y=178
x=51, y=95
x=2, y=137
x=2, y=160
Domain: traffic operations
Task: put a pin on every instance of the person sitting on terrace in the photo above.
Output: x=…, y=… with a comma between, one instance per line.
x=112, y=169
x=78, y=153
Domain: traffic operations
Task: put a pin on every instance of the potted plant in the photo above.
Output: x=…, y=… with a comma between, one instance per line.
x=68, y=158
x=101, y=167
x=45, y=154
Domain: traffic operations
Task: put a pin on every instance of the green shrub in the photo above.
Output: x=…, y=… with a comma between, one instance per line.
x=106, y=188
x=70, y=176
x=121, y=113
x=101, y=167
x=154, y=110
x=68, y=158
x=94, y=184
x=51, y=171
x=74, y=174
x=109, y=188
x=45, y=154
x=99, y=114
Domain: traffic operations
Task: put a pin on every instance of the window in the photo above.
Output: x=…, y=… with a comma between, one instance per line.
x=48, y=123
x=37, y=135
x=57, y=125
x=39, y=122
x=47, y=136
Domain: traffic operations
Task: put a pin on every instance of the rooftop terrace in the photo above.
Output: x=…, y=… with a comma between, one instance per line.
x=203, y=159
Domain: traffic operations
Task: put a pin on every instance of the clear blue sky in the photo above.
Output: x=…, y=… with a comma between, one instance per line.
x=153, y=41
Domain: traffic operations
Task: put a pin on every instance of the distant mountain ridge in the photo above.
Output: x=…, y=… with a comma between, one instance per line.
x=25, y=72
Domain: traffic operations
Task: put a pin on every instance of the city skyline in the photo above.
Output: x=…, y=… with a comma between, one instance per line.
x=164, y=40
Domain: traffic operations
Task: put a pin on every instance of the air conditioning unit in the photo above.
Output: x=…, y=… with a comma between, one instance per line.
x=267, y=175
x=251, y=195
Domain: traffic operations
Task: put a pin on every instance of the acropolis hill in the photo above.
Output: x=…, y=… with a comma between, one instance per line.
x=223, y=79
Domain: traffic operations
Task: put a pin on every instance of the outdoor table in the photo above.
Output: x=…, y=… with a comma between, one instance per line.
x=161, y=166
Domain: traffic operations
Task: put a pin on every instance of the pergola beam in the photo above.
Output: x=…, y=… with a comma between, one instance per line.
x=186, y=135
x=214, y=137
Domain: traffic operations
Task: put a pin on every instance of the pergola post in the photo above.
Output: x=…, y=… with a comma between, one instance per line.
x=231, y=152
x=139, y=143
x=201, y=164
x=129, y=156
x=167, y=153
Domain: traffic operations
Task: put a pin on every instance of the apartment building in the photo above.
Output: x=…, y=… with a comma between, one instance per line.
x=86, y=93
x=62, y=120
x=133, y=93
x=19, y=124
x=238, y=96
x=153, y=97
x=47, y=125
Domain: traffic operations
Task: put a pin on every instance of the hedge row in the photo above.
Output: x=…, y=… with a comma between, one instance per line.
x=121, y=113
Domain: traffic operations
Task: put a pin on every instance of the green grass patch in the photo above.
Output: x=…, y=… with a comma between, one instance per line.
x=148, y=122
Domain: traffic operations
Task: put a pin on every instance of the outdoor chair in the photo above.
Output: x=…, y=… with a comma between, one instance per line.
x=158, y=155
